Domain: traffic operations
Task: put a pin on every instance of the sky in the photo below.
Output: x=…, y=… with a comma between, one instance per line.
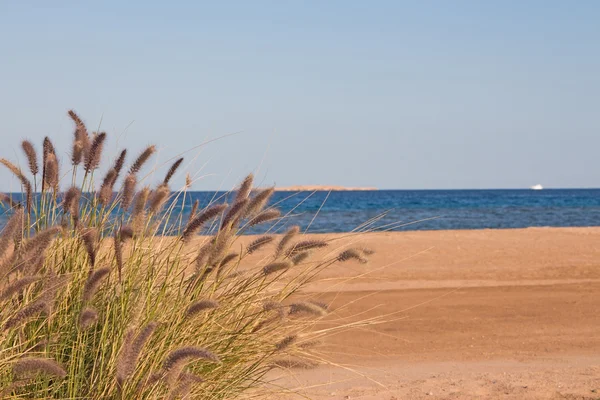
x=391, y=94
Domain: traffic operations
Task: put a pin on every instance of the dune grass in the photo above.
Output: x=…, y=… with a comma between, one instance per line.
x=106, y=292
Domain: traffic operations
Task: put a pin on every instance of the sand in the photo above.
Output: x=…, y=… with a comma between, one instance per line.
x=486, y=314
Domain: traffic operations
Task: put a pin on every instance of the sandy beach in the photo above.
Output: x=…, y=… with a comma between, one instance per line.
x=510, y=314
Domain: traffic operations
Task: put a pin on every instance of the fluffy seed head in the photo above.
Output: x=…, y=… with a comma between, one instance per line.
x=51, y=180
x=93, y=157
x=71, y=201
x=158, y=198
x=259, y=243
x=228, y=258
x=286, y=342
x=120, y=161
x=351, y=254
x=105, y=192
x=199, y=306
x=90, y=238
x=306, y=245
x=31, y=156
x=300, y=257
x=245, y=188
x=141, y=160
x=26, y=313
x=265, y=216
x=128, y=191
x=87, y=318
x=93, y=282
x=286, y=239
x=26, y=183
x=308, y=308
x=14, y=227
x=31, y=366
x=18, y=285
x=258, y=202
x=276, y=267
x=184, y=354
x=234, y=213
x=196, y=223
x=172, y=171
x=4, y=198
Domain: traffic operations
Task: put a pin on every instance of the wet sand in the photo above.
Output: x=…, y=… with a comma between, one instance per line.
x=486, y=314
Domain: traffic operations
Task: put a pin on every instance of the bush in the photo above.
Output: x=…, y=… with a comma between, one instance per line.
x=114, y=295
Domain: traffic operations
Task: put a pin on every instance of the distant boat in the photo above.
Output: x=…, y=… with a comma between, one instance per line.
x=536, y=187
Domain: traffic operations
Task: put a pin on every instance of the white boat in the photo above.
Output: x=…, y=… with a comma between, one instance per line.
x=536, y=187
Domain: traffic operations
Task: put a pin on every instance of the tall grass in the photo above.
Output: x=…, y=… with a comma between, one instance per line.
x=107, y=293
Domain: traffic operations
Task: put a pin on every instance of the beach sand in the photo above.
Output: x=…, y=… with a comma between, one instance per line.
x=482, y=314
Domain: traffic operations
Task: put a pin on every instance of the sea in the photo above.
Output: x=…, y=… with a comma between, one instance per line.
x=407, y=210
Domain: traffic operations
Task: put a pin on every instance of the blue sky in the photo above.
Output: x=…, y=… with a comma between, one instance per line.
x=423, y=94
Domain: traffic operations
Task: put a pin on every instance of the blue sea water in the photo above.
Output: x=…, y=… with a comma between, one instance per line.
x=402, y=210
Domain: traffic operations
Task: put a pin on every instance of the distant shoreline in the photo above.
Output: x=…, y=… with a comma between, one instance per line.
x=313, y=188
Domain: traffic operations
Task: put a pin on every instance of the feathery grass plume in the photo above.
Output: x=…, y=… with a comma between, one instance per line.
x=259, y=243
x=128, y=362
x=234, y=213
x=202, y=257
x=71, y=201
x=126, y=232
x=4, y=198
x=298, y=258
x=199, y=306
x=90, y=238
x=258, y=202
x=81, y=144
x=308, y=308
x=26, y=313
x=245, y=187
x=76, y=153
x=188, y=180
x=123, y=365
x=13, y=227
x=176, y=360
x=120, y=161
x=181, y=391
x=228, y=258
x=31, y=366
x=93, y=282
x=31, y=156
x=306, y=245
x=219, y=248
x=93, y=157
x=51, y=169
x=351, y=254
x=87, y=318
x=128, y=191
x=106, y=189
x=196, y=223
x=48, y=147
x=287, y=238
x=286, y=342
x=26, y=183
x=42, y=240
x=172, y=171
x=139, y=204
x=18, y=285
x=193, y=210
x=265, y=216
x=158, y=198
x=141, y=160
x=276, y=266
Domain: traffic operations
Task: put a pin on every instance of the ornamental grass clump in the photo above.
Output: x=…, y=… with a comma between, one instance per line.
x=114, y=295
